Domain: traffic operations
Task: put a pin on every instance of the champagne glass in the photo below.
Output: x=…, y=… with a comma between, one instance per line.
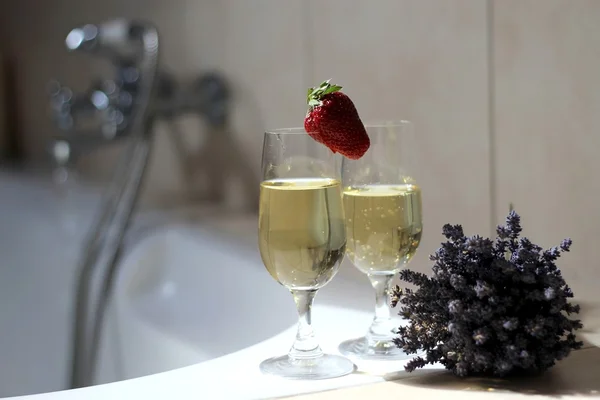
x=382, y=203
x=302, y=239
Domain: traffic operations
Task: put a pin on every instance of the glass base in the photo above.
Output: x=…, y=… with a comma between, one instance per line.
x=326, y=366
x=383, y=350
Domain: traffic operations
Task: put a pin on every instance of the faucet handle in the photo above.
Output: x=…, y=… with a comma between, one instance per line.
x=212, y=92
x=61, y=101
x=104, y=105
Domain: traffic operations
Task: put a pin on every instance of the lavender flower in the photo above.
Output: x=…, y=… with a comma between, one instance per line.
x=483, y=289
x=565, y=245
x=490, y=307
x=479, y=245
x=480, y=336
x=510, y=324
x=549, y=293
x=453, y=232
x=458, y=282
x=455, y=306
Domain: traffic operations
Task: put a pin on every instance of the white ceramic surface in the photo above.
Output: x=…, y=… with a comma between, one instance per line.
x=186, y=295
x=194, y=310
x=190, y=295
x=41, y=231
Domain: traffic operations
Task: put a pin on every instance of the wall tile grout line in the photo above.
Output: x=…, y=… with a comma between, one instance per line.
x=491, y=76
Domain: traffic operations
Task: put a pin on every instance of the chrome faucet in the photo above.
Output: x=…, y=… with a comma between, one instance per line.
x=108, y=104
x=123, y=108
x=102, y=115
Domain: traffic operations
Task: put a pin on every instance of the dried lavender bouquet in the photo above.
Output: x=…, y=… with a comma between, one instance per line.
x=490, y=308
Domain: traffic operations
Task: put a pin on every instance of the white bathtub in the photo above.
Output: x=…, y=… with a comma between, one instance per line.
x=191, y=290
x=41, y=230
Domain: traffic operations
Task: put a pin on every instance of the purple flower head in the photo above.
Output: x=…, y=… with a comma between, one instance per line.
x=480, y=336
x=483, y=289
x=479, y=245
x=490, y=307
x=510, y=324
x=549, y=293
x=458, y=281
x=453, y=232
x=455, y=307
x=565, y=245
x=513, y=225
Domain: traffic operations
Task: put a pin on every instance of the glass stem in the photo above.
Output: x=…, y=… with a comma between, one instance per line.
x=306, y=345
x=381, y=328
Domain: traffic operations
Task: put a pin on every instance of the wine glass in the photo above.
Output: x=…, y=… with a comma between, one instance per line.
x=382, y=203
x=302, y=239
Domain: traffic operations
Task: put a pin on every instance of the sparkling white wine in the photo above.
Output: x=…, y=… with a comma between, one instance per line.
x=302, y=234
x=383, y=225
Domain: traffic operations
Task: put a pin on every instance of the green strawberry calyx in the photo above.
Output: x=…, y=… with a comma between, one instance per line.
x=315, y=95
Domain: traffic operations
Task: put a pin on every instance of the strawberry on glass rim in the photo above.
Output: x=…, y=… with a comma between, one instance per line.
x=332, y=120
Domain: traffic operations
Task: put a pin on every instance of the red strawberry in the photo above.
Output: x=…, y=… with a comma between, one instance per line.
x=332, y=120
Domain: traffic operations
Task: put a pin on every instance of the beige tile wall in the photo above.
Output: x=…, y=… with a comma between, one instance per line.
x=547, y=130
x=423, y=60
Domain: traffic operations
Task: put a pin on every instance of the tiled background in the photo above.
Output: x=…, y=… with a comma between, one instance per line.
x=504, y=94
